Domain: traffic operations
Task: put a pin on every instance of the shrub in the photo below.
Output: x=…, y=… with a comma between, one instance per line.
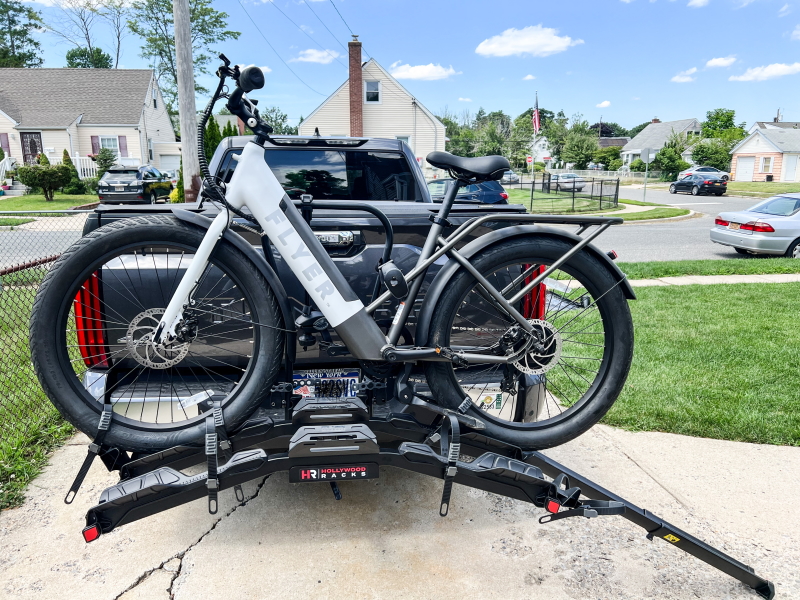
x=105, y=159
x=669, y=162
x=48, y=178
x=614, y=165
x=174, y=196
x=42, y=159
x=2, y=154
x=181, y=195
x=91, y=185
x=638, y=166
x=75, y=185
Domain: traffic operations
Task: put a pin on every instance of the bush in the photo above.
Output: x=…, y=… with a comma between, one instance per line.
x=75, y=185
x=48, y=178
x=670, y=163
x=181, y=196
x=2, y=154
x=638, y=166
x=614, y=165
x=174, y=196
x=42, y=159
x=91, y=185
x=105, y=159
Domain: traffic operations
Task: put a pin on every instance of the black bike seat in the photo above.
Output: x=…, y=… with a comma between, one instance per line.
x=483, y=168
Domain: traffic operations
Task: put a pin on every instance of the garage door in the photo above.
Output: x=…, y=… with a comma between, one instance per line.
x=169, y=162
x=744, y=168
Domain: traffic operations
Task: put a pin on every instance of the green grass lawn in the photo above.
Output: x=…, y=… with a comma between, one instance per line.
x=655, y=213
x=37, y=202
x=639, y=202
x=716, y=361
x=552, y=203
x=10, y=221
x=761, y=189
x=743, y=266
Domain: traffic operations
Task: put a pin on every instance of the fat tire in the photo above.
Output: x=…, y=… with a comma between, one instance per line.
x=60, y=385
x=588, y=269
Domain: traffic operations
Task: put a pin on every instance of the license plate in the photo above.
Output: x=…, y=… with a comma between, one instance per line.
x=119, y=188
x=335, y=382
x=320, y=473
x=734, y=225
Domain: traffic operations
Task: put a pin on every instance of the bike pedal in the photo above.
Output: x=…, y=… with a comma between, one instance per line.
x=314, y=411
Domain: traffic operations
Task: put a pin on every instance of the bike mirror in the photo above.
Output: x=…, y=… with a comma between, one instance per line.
x=251, y=78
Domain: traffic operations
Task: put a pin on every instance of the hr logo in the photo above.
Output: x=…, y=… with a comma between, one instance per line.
x=308, y=474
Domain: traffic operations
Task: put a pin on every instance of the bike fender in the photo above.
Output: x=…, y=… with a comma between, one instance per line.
x=480, y=244
x=261, y=264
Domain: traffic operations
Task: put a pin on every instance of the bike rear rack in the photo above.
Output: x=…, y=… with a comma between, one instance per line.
x=316, y=445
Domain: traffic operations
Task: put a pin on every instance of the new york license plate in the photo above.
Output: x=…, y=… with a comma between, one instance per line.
x=334, y=383
x=320, y=473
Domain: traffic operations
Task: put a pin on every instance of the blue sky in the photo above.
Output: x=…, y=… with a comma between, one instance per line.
x=625, y=60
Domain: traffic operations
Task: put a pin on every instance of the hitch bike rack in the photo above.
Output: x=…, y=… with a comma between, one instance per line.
x=335, y=439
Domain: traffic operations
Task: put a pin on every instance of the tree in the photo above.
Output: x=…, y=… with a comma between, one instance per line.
x=115, y=13
x=669, y=162
x=633, y=132
x=48, y=178
x=579, y=149
x=152, y=21
x=712, y=153
x=74, y=185
x=556, y=134
x=279, y=121
x=105, y=159
x=83, y=58
x=718, y=121
x=638, y=166
x=229, y=130
x=41, y=159
x=18, y=47
x=212, y=138
x=610, y=129
x=607, y=156
x=75, y=22
x=181, y=196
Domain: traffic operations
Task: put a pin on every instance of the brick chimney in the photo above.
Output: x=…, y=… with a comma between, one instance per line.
x=356, y=89
x=656, y=120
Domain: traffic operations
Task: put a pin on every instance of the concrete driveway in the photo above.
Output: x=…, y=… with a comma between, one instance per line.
x=386, y=540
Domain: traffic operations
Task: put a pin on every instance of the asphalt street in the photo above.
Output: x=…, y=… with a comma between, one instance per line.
x=672, y=240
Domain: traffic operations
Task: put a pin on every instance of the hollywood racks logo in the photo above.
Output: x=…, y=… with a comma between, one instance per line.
x=327, y=473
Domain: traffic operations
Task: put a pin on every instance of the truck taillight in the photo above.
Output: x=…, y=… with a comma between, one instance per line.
x=89, y=323
x=533, y=302
x=757, y=226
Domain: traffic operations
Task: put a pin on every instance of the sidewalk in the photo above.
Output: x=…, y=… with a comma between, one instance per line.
x=716, y=279
x=385, y=539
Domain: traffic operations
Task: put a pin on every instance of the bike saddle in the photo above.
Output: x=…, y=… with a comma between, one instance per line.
x=481, y=168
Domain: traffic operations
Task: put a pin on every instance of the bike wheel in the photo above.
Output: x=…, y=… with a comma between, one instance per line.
x=566, y=375
x=93, y=320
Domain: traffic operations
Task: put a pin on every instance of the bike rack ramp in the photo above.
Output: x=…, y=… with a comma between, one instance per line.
x=329, y=450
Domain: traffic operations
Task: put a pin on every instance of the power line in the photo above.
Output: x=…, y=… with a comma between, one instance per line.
x=325, y=26
x=348, y=26
x=305, y=33
x=276, y=52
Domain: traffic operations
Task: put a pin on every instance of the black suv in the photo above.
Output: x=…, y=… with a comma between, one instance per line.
x=133, y=185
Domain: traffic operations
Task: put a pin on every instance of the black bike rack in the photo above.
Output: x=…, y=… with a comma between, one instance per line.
x=334, y=439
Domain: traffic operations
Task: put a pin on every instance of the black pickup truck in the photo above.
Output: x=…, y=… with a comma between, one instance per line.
x=379, y=171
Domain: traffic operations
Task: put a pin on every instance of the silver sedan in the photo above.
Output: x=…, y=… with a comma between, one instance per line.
x=769, y=227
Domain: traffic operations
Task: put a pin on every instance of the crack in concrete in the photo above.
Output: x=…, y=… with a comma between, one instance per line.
x=179, y=555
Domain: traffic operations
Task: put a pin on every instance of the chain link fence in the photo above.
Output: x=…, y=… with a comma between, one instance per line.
x=559, y=193
x=30, y=242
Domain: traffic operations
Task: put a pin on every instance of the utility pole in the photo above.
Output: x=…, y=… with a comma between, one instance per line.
x=186, y=105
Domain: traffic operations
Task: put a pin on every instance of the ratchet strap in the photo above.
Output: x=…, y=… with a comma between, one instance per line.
x=450, y=448
x=217, y=442
x=94, y=449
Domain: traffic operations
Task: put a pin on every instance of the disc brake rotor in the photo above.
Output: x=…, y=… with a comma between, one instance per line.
x=541, y=350
x=139, y=342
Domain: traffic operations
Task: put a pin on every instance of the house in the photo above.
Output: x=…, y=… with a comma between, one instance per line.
x=655, y=136
x=607, y=142
x=768, y=154
x=83, y=110
x=372, y=103
x=774, y=125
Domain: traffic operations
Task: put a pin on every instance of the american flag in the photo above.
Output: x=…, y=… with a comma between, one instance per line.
x=537, y=125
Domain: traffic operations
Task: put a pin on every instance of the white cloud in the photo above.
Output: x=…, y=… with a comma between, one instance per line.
x=626, y=1
x=796, y=33
x=697, y=3
x=534, y=40
x=307, y=29
x=266, y=69
x=685, y=76
x=636, y=98
x=465, y=99
x=768, y=72
x=725, y=61
x=603, y=104
x=313, y=55
x=785, y=10
x=429, y=72
x=528, y=78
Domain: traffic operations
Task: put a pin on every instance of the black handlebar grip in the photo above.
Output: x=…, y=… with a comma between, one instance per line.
x=251, y=78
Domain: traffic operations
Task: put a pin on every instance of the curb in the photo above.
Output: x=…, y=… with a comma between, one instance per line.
x=692, y=215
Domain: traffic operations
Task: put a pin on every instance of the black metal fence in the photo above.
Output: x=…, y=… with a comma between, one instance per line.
x=567, y=192
x=29, y=245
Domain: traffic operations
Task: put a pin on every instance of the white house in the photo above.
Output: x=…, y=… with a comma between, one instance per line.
x=655, y=136
x=768, y=154
x=83, y=110
x=372, y=103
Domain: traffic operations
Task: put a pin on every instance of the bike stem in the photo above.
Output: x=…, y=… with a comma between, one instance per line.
x=437, y=227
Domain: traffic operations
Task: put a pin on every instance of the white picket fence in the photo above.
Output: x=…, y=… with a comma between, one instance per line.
x=621, y=174
x=87, y=168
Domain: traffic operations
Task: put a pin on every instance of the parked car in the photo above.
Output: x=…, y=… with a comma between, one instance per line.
x=133, y=185
x=172, y=176
x=510, y=177
x=769, y=227
x=488, y=192
x=704, y=171
x=697, y=184
x=567, y=182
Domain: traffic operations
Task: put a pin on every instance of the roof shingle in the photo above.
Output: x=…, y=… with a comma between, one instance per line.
x=655, y=135
x=56, y=97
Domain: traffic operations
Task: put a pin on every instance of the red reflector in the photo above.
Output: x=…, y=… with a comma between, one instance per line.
x=504, y=196
x=89, y=323
x=722, y=222
x=758, y=226
x=91, y=533
x=533, y=304
x=552, y=506
x=612, y=254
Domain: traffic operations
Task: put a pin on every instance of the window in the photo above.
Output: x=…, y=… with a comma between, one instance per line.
x=155, y=95
x=766, y=164
x=372, y=91
x=404, y=138
x=150, y=148
x=110, y=142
